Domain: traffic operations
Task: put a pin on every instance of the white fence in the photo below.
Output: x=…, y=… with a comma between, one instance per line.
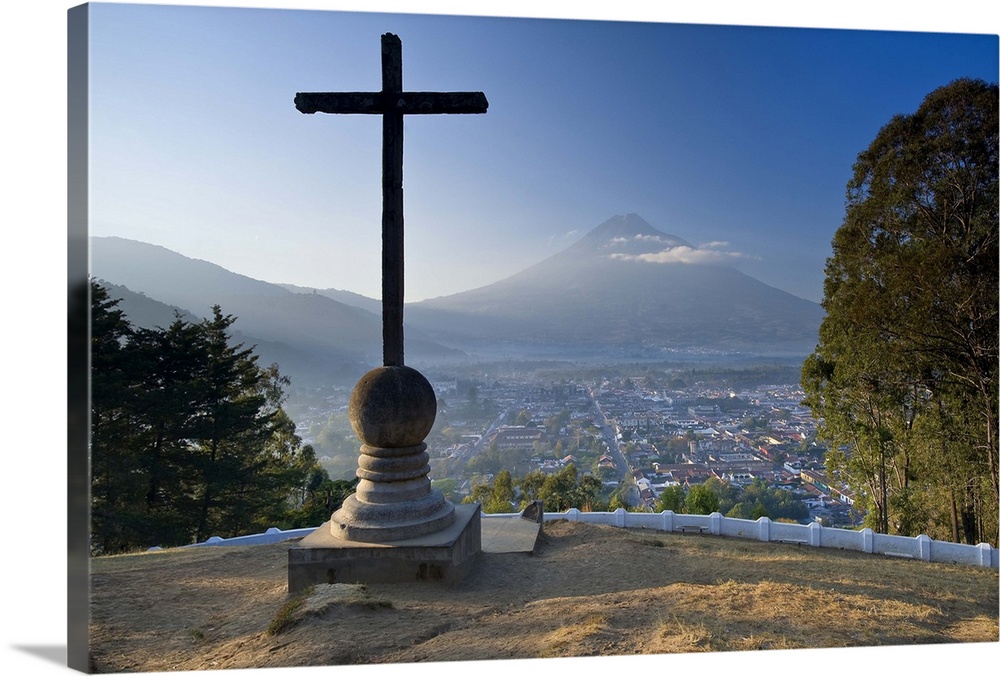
x=921, y=547
x=269, y=537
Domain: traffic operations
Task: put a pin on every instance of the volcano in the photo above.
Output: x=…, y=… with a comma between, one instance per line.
x=625, y=286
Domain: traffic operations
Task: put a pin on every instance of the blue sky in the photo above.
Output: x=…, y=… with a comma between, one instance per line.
x=738, y=136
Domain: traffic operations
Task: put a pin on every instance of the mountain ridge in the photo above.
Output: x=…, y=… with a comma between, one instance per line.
x=618, y=290
x=312, y=337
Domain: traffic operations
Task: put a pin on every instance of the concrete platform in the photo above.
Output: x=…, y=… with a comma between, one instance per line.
x=323, y=558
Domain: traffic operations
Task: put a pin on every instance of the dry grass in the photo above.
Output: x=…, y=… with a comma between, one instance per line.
x=590, y=590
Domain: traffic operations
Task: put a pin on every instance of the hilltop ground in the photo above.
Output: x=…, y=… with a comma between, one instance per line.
x=588, y=590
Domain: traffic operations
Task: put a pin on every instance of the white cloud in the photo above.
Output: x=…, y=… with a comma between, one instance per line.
x=615, y=241
x=685, y=254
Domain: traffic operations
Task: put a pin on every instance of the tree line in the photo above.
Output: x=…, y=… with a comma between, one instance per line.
x=750, y=502
x=189, y=438
x=558, y=491
x=904, y=378
x=568, y=489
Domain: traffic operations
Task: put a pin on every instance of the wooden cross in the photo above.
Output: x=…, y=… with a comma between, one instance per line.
x=392, y=103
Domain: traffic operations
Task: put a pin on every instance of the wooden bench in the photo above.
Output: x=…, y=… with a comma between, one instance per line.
x=900, y=555
x=691, y=529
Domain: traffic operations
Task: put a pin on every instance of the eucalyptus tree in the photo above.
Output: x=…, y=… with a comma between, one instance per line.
x=905, y=372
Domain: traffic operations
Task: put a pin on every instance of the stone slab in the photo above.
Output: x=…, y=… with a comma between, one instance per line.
x=510, y=534
x=323, y=558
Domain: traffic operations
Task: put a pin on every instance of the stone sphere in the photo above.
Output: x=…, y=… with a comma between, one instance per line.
x=392, y=407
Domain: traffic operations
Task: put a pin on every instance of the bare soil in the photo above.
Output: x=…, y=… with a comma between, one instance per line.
x=588, y=590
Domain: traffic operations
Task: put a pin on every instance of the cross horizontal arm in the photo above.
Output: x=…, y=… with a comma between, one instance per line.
x=407, y=103
x=433, y=103
x=339, y=102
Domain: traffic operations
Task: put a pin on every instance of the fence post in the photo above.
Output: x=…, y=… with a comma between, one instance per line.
x=815, y=534
x=715, y=523
x=764, y=529
x=572, y=514
x=985, y=554
x=867, y=540
x=924, y=543
x=620, y=517
x=668, y=520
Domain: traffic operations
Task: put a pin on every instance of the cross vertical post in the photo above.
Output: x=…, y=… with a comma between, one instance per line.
x=392, y=103
x=392, y=205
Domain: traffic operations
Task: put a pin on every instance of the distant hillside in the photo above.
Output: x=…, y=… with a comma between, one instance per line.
x=313, y=338
x=372, y=305
x=619, y=288
x=143, y=311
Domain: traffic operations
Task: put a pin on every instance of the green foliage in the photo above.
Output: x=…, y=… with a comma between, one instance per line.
x=493, y=460
x=188, y=436
x=558, y=492
x=447, y=486
x=285, y=618
x=752, y=502
x=530, y=486
x=672, y=499
x=701, y=500
x=320, y=497
x=616, y=503
x=905, y=374
x=757, y=500
x=501, y=499
x=480, y=493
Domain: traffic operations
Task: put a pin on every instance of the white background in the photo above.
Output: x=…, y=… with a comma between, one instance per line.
x=34, y=346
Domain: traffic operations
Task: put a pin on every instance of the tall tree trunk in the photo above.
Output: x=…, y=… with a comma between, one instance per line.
x=969, y=521
x=954, y=516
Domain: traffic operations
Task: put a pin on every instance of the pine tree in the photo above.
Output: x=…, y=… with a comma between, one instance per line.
x=188, y=436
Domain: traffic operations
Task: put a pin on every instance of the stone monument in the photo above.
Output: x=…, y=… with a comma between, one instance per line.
x=396, y=526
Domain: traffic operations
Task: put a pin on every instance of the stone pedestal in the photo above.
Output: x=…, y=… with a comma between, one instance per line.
x=444, y=556
x=395, y=527
x=394, y=499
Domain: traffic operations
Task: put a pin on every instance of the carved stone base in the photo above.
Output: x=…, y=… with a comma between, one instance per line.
x=394, y=499
x=370, y=522
x=445, y=556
